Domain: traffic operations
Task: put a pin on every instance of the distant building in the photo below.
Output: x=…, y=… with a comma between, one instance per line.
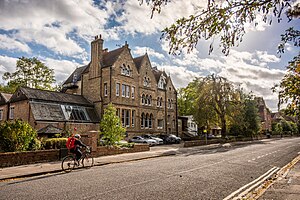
x=265, y=114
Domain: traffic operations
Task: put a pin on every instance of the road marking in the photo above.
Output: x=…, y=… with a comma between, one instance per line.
x=252, y=184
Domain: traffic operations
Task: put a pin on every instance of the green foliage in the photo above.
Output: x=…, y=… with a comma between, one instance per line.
x=110, y=127
x=226, y=20
x=289, y=88
x=30, y=72
x=17, y=136
x=54, y=143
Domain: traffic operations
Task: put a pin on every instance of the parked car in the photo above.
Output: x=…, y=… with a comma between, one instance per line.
x=170, y=139
x=158, y=140
x=140, y=139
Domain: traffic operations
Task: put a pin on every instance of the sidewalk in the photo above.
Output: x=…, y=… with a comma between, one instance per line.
x=53, y=167
x=286, y=186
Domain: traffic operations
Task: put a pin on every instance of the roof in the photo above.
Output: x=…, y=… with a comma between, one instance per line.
x=109, y=58
x=138, y=62
x=4, y=97
x=50, y=129
x=49, y=96
x=76, y=75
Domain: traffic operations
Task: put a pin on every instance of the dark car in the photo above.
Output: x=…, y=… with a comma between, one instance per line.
x=170, y=139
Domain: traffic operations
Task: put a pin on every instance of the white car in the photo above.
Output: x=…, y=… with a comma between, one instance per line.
x=140, y=139
x=158, y=140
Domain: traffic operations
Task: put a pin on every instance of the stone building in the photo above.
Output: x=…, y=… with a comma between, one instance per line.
x=145, y=98
x=265, y=115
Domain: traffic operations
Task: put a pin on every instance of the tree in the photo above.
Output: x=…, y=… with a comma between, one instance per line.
x=30, y=72
x=17, y=136
x=289, y=88
x=226, y=19
x=110, y=126
x=251, y=116
x=215, y=101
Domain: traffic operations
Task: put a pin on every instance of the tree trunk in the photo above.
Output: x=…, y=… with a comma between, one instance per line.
x=224, y=130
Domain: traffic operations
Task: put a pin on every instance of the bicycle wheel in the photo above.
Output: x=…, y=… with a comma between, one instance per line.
x=68, y=163
x=87, y=161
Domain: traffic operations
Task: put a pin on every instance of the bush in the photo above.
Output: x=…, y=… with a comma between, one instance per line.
x=16, y=136
x=54, y=143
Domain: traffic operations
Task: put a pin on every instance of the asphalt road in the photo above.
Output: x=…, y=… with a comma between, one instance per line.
x=193, y=173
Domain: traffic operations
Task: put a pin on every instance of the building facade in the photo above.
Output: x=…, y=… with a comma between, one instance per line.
x=145, y=98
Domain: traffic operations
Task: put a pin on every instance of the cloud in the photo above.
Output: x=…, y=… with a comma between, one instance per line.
x=135, y=18
x=53, y=23
x=9, y=43
x=151, y=52
x=7, y=64
x=62, y=68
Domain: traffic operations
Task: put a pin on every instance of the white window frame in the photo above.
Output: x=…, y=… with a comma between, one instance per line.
x=105, y=90
x=123, y=90
x=117, y=89
x=1, y=114
x=127, y=91
x=132, y=92
x=11, y=112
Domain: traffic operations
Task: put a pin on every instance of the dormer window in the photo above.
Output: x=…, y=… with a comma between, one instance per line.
x=162, y=82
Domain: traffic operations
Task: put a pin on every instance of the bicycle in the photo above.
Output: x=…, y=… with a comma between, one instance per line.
x=69, y=162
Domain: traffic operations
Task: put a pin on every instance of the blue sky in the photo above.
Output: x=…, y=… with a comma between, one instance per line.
x=59, y=33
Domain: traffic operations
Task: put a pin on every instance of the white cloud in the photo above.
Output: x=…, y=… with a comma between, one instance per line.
x=13, y=44
x=151, y=52
x=7, y=64
x=136, y=17
x=62, y=68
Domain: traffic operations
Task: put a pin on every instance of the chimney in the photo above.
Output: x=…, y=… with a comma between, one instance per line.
x=96, y=56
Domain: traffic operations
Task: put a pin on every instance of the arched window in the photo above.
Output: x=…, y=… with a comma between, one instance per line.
x=128, y=70
x=150, y=100
x=150, y=120
x=161, y=101
x=147, y=121
x=143, y=99
x=142, y=120
x=146, y=100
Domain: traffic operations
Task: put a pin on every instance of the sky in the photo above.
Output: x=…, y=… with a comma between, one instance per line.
x=59, y=33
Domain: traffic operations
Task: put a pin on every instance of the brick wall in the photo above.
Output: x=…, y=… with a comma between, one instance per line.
x=22, y=158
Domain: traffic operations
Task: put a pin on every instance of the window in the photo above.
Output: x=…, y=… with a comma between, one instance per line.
x=118, y=112
x=157, y=103
x=11, y=112
x=76, y=113
x=143, y=99
x=162, y=82
x=160, y=124
x=150, y=120
x=160, y=103
x=105, y=89
x=123, y=90
x=132, y=118
x=150, y=100
x=125, y=70
x=125, y=118
x=146, y=100
x=1, y=114
x=132, y=91
x=142, y=120
x=117, y=89
x=147, y=121
x=127, y=91
x=146, y=81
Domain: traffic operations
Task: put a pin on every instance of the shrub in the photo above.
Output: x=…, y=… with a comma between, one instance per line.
x=16, y=136
x=54, y=143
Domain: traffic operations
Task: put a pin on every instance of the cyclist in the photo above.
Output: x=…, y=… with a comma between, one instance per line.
x=77, y=146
